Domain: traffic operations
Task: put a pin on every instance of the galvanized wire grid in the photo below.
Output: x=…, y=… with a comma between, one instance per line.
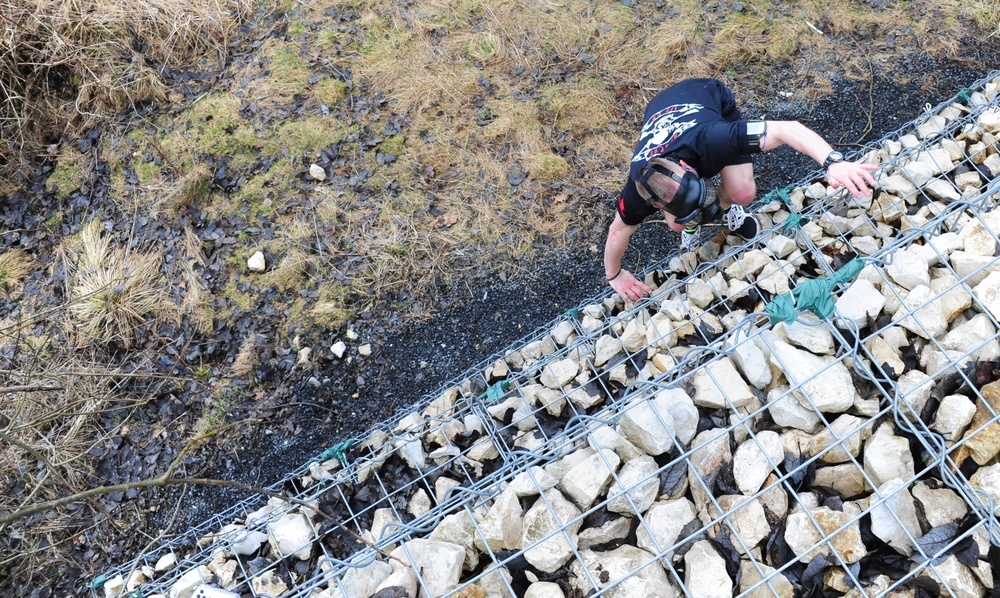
x=559, y=399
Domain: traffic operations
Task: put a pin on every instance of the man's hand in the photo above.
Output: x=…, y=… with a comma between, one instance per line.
x=853, y=175
x=629, y=287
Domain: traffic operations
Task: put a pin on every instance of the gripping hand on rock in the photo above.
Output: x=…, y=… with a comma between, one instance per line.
x=629, y=287
x=853, y=175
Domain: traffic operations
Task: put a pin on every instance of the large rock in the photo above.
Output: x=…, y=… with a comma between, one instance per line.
x=750, y=360
x=627, y=564
x=804, y=538
x=755, y=459
x=718, y=385
x=663, y=524
x=861, y=302
x=587, y=479
x=652, y=424
x=542, y=523
x=825, y=383
x=888, y=457
x=705, y=572
x=502, y=527
x=636, y=487
x=894, y=520
x=292, y=534
x=926, y=316
x=439, y=564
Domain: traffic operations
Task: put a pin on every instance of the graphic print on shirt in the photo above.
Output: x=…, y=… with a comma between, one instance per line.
x=663, y=128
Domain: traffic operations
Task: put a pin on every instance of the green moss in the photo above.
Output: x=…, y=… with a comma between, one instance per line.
x=66, y=176
x=547, y=167
x=297, y=28
x=330, y=91
x=288, y=69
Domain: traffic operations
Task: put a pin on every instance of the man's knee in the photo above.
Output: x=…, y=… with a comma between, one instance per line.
x=742, y=193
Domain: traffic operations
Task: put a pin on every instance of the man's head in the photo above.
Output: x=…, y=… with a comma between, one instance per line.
x=666, y=185
x=658, y=182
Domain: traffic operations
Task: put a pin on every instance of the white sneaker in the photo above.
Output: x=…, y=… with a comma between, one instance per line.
x=740, y=223
x=690, y=241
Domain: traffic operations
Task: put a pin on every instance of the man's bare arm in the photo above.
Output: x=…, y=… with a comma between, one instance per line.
x=856, y=177
x=621, y=280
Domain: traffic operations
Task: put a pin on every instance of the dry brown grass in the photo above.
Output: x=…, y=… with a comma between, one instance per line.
x=15, y=266
x=67, y=62
x=114, y=292
x=51, y=401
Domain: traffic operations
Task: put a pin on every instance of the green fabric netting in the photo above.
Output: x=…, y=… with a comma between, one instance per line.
x=337, y=451
x=815, y=295
x=496, y=391
x=792, y=221
x=779, y=194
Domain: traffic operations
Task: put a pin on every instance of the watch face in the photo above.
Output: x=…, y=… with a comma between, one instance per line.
x=835, y=156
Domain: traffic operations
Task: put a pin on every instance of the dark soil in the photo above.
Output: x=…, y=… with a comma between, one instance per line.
x=300, y=413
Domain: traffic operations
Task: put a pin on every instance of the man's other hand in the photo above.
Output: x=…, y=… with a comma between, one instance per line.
x=853, y=175
x=629, y=287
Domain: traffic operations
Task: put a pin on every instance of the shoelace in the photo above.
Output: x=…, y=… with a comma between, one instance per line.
x=735, y=217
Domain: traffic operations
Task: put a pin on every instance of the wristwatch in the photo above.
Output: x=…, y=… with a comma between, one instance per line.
x=833, y=158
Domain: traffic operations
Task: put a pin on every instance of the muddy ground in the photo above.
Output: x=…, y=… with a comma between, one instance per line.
x=473, y=320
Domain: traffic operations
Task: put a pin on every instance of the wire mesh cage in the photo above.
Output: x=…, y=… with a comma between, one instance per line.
x=812, y=411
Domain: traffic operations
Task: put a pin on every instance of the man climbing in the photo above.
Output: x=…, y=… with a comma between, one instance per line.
x=691, y=132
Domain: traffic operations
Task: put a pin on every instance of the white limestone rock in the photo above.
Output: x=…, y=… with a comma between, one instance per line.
x=560, y=373
x=718, y=385
x=459, y=528
x=894, y=521
x=953, y=416
x=887, y=456
x=544, y=589
x=317, y=172
x=926, y=317
x=860, y=302
x=750, y=360
x=636, y=487
x=366, y=579
x=823, y=382
x=664, y=522
x=542, y=523
x=533, y=481
x=588, y=478
x=941, y=506
x=977, y=336
x=624, y=564
x=845, y=479
x=771, y=585
x=988, y=293
x=755, y=459
x=804, y=539
x=748, y=521
x=503, y=525
x=908, y=269
x=705, y=572
x=439, y=563
x=292, y=534
x=789, y=410
x=256, y=263
x=809, y=333
x=401, y=579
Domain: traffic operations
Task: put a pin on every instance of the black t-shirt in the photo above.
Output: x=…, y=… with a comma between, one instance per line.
x=696, y=121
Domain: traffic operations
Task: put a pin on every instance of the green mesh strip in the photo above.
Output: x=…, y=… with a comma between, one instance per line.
x=496, y=391
x=779, y=194
x=815, y=295
x=793, y=220
x=337, y=451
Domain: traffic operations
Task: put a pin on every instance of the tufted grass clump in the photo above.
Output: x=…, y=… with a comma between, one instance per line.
x=114, y=293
